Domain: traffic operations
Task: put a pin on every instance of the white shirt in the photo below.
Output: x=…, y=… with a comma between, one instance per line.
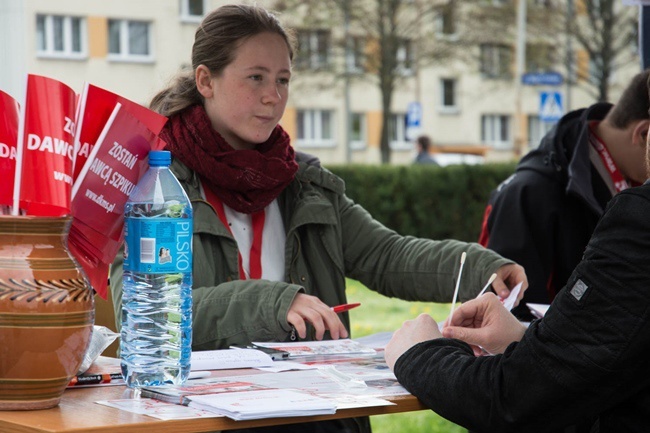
x=273, y=240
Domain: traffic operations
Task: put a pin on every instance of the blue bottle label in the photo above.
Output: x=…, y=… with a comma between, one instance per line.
x=158, y=245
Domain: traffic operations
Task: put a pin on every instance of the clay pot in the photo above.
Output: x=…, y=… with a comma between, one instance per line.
x=46, y=312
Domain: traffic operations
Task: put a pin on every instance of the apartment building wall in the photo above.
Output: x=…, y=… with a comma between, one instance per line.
x=171, y=37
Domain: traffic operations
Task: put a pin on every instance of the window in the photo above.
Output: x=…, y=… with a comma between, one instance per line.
x=448, y=95
x=192, y=10
x=60, y=36
x=357, y=131
x=496, y=2
x=634, y=37
x=446, y=22
x=316, y=128
x=313, y=49
x=356, y=56
x=405, y=59
x=543, y=4
x=129, y=40
x=397, y=132
x=496, y=61
x=536, y=130
x=495, y=131
x=539, y=58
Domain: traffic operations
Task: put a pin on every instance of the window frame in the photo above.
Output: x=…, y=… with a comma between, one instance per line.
x=355, y=56
x=539, y=57
x=362, y=142
x=405, y=57
x=48, y=39
x=124, y=31
x=446, y=18
x=538, y=128
x=492, y=129
x=443, y=107
x=185, y=15
x=313, y=125
x=317, y=53
x=496, y=61
x=397, y=129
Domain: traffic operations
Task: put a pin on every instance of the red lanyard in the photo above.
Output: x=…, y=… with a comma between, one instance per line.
x=619, y=181
x=257, y=220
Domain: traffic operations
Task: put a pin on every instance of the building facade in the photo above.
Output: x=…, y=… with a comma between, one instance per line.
x=134, y=48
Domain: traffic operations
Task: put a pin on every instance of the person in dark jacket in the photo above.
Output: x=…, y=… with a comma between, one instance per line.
x=544, y=214
x=585, y=361
x=423, y=144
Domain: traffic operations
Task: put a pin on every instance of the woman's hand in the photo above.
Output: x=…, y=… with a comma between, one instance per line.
x=307, y=308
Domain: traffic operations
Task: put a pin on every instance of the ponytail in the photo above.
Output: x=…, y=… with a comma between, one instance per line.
x=179, y=95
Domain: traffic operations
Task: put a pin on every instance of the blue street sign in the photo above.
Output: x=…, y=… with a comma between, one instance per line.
x=413, y=115
x=413, y=120
x=550, y=106
x=542, y=79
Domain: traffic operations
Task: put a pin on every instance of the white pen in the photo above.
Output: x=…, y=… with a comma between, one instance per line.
x=460, y=272
x=490, y=281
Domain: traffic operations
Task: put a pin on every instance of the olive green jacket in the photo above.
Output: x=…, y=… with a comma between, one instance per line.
x=329, y=238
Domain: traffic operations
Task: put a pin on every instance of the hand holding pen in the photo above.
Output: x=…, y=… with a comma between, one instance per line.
x=309, y=309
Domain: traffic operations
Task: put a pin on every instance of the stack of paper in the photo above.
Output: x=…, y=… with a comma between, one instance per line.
x=214, y=385
x=263, y=404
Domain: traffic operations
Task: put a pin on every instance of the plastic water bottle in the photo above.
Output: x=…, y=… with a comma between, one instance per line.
x=156, y=337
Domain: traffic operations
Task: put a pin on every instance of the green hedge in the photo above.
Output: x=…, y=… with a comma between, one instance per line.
x=423, y=201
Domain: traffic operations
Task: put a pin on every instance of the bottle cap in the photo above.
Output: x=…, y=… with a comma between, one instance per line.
x=159, y=158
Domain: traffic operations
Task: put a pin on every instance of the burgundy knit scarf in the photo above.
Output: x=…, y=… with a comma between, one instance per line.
x=245, y=180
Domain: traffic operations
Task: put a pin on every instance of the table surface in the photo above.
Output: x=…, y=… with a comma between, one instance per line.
x=78, y=413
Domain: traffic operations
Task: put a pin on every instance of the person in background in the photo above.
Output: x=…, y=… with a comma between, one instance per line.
x=544, y=214
x=423, y=144
x=275, y=236
x=582, y=367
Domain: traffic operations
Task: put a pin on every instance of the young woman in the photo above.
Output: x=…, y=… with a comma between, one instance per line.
x=274, y=234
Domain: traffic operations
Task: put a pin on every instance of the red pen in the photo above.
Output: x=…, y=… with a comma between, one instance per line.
x=344, y=307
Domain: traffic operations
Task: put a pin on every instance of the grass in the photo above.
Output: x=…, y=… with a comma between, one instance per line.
x=378, y=314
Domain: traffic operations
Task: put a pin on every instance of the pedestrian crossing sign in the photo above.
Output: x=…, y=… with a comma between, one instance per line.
x=550, y=106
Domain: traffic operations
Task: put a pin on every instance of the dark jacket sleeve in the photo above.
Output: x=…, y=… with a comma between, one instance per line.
x=522, y=225
x=586, y=357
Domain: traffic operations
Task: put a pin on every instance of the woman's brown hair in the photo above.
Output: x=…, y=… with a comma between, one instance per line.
x=215, y=43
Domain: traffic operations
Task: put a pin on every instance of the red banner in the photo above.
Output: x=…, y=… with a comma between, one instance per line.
x=115, y=165
x=9, y=114
x=45, y=152
x=96, y=107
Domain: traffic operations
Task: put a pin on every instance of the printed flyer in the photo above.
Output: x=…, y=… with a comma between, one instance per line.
x=116, y=163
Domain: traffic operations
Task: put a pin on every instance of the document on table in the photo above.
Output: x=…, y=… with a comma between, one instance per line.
x=376, y=341
x=326, y=347
x=264, y=404
x=157, y=409
x=179, y=394
x=343, y=380
x=229, y=359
